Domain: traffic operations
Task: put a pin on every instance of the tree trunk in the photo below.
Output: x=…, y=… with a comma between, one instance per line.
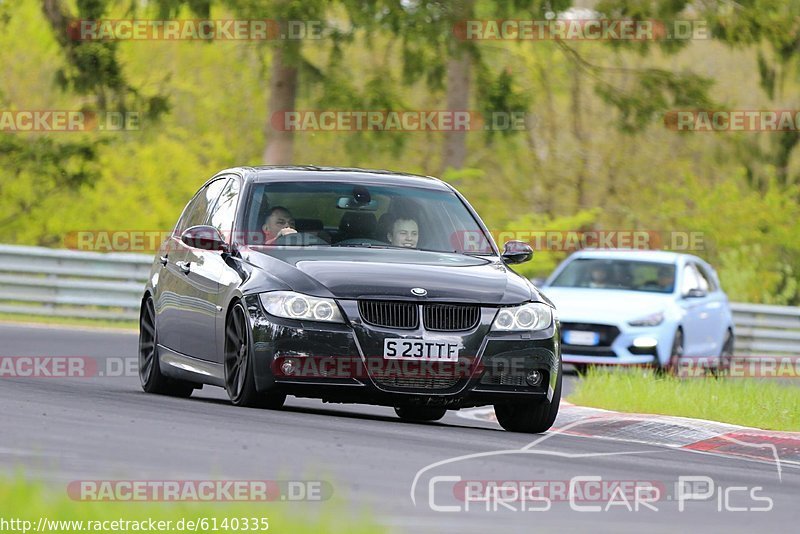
x=282, y=98
x=582, y=199
x=459, y=70
x=459, y=75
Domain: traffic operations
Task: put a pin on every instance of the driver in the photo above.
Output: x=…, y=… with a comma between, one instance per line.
x=599, y=277
x=666, y=278
x=404, y=232
x=279, y=223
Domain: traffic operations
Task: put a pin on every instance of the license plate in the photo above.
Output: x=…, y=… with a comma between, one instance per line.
x=581, y=337
x=420, y=349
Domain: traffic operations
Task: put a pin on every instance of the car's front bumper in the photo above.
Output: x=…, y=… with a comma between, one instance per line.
x=623, y=350
x=342, y=363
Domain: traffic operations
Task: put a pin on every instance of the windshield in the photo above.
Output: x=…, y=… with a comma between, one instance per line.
x=351, y=214
x=618, y=274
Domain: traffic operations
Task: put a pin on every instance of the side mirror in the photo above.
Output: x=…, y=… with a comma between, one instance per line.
x=695, y=293
x=205, y=238
x=517, y=252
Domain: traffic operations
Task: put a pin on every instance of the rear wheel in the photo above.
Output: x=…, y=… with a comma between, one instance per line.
x=239, y=372
x=419, y=413
x=153, y=381
x=533, y=417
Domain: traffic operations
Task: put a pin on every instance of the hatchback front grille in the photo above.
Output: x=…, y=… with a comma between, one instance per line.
x=450, y=317
x=390, y=314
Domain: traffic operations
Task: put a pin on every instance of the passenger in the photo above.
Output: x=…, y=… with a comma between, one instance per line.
x=279, y=223
x=404, y=232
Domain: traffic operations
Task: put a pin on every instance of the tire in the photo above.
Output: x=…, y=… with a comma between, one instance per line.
x=673, y=366
x=238, y=364
x=726, y=355
x=419, y=414
x=153, y=381
x=533, y=417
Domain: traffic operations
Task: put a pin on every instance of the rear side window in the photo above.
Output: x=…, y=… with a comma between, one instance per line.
x=201, y=206
x=225, y=210
x=691, y=279
x=706, y=280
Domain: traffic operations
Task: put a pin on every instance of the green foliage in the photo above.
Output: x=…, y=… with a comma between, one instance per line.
x=739, y=401
x=28, y=500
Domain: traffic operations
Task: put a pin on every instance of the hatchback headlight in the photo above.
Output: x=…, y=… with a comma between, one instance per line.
x=298, y=306
x=654, y=319
x=532, y=316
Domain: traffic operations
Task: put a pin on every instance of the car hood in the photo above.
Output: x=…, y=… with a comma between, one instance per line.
x=352, y=273
x=605, y=306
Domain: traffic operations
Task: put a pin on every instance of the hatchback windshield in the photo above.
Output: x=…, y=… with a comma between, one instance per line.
x=618, y=274
x=356, y=215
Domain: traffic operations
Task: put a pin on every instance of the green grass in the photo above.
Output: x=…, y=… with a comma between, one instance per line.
x=748, y=402
x=67, y=321
x=28, y=501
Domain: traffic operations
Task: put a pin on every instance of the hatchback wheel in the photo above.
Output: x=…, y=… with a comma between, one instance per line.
x=153, y=381
x=726, y=355
x=673, y=366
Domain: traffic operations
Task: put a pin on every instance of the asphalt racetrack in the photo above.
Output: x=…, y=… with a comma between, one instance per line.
x=104, y=427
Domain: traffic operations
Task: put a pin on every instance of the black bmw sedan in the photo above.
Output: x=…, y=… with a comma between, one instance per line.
x=352, y=286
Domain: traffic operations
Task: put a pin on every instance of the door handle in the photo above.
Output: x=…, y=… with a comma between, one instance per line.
x=163, y=259
x=184, y=266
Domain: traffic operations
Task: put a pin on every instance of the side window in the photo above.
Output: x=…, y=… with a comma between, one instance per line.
x=706, y=280
x=225, y=211
x=200, y=206
x=691, y=280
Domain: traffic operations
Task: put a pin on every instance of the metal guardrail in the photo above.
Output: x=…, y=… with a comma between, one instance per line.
x=763, y=330
x=42, y=281
x=67, y=283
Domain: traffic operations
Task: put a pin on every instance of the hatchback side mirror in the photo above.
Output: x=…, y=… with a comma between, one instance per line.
x=204, y=237
x=517, y=252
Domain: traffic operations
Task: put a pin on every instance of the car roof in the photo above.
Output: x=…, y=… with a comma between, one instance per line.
x=311, y=173
x=657, y=256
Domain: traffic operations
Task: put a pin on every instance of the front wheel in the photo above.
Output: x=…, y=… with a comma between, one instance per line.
x=153, y=381
x=238, y=366
x=419, y=414
x=726, y=356
x=676, y=353
x=532, y=417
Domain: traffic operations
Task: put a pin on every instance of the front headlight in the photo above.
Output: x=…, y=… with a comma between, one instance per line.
x=293, y=305
x=532, y=316
x=654, y=319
